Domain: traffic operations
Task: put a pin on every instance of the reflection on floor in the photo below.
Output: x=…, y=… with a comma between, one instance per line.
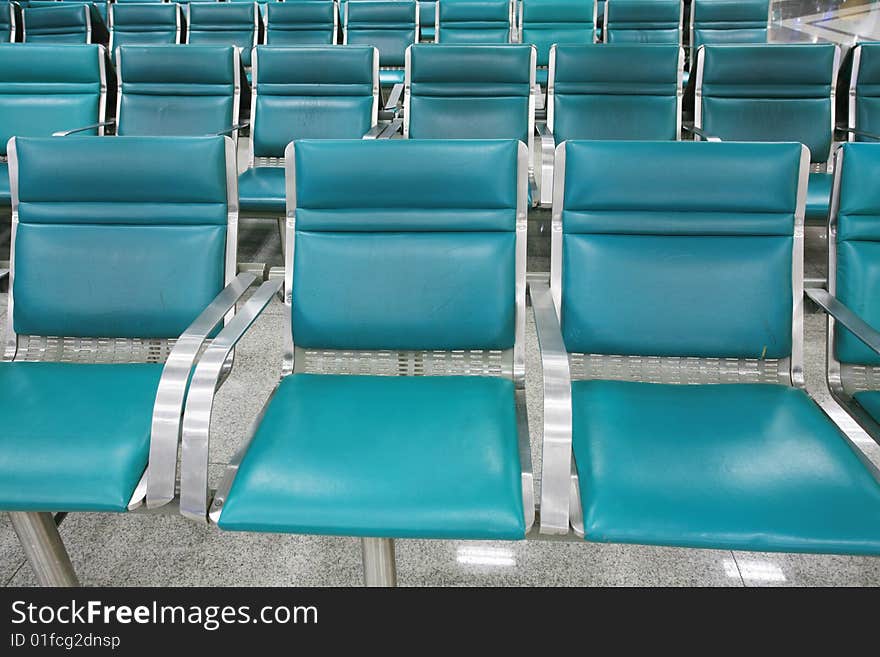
x=156, y=550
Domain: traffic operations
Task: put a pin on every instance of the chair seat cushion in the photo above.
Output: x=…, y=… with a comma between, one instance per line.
x=425, y=457
x=390, y=76
x=74, y=437
x=870, y=401
x=5, y=193
x=818, y=197
x=261, y=189
x=744, y=467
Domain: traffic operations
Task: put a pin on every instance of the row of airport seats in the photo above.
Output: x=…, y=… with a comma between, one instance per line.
x=767, y=92
x=670, y=331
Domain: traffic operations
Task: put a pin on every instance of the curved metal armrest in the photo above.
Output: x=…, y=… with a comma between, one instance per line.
x=699, y=132
x=546, y=162
x=66, y=133
x=165, y=430
x=857, y=133
x=200, y=402
x=556, y=445
x=852, y=322
x=233, y=128
x=394, y=98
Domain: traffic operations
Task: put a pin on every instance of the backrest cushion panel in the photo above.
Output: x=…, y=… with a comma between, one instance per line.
x=223, y=23
x=643, y=21
x=730, y=21
x=388, y=26
x=61, y=23
x=868, y=90
x=546, y=22
x=474, y=22
x=300, y=23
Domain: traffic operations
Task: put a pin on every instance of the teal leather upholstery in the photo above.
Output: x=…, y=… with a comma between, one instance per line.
x=160, y=221
x=705, y=274
x=8, y=24
x=223, y=24
x=301, y=23
x=548, y=22
x=615, y=91
x=867, y=91
x=818, y=197
x=144, y=24
x=870, y=401
x=430, y=267
x=307, y=92
x=47, y=88
x=62, y=23
x=742, y=467
x=473, y=21
x=729, y=21
x=643, y=21
x=403, y=457
x=75, y=436
x=858, y=248
x=389, y=25
x=176, y=90
x=470, y=92
x=427, y=20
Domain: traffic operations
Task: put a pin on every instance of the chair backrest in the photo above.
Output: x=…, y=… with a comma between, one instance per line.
x=8, y=24
x=144, y=24
x=615, y=91
x=729, y=21
x=176, y=90
x=545, y=22
x=470, y=92
x=474, y=21
x=49, y=88
x=389, y=25
x=864, y=91
x=643, y=21
x=427, y=17
x=129, y=237
x=223, y=24
x=57, y=22
x=301, y=23
x=854, y=263
x=308, y=92
x=714, y=273
x=768, y=92
x=438, y=265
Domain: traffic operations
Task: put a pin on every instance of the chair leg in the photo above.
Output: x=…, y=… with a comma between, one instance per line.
x=380, y=568
x=42, y=545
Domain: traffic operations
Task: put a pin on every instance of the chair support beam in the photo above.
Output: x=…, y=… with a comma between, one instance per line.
x=42, y=545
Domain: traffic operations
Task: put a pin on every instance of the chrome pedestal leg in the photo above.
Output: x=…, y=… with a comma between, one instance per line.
x=39, y=538
x=380, y=568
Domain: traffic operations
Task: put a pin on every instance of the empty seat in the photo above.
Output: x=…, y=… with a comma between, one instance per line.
x=390, y=26
x=104, y=268
x=55, y=22
x=437, y=266
x=144, y=24
x=301, y=23
x=223, y=24
x=610, y=91
x=864, y=94
x=772, y=92
x=547, y=22
x=177, y=90
x=303, y=92
x=689, y=424
x=474, y=21
x=729, y=21
x=47, y=88
x=643, y=21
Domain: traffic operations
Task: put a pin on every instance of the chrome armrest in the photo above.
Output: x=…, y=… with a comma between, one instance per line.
x=546, y=163
x=200, y=401
x=392, y=129
x=65, y=133
x=852, y=322
x=233, y=128
x=375, y=131
x=699, y=133
x=170, y=394
x=524, y=444
x=858, y=133
x=394, y=97
x=556, y=443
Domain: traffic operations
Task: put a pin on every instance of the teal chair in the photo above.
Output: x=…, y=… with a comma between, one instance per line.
x=47, y=88
x=56, y=22
x=468, y=22
x=472, y=92
x=313, y=92
x=728, y=21
x=144, y=24
x=610, y=91
x=9, y=21
x=643, y=21
x=301, y=23
x=420, y=295
x=863, y=108
x=185, y=90
x=115, y=288
x=853, y=362
x=772, y=92
x=224, y=24
x=388, y=25
x=543, y=23
x=672, y=340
